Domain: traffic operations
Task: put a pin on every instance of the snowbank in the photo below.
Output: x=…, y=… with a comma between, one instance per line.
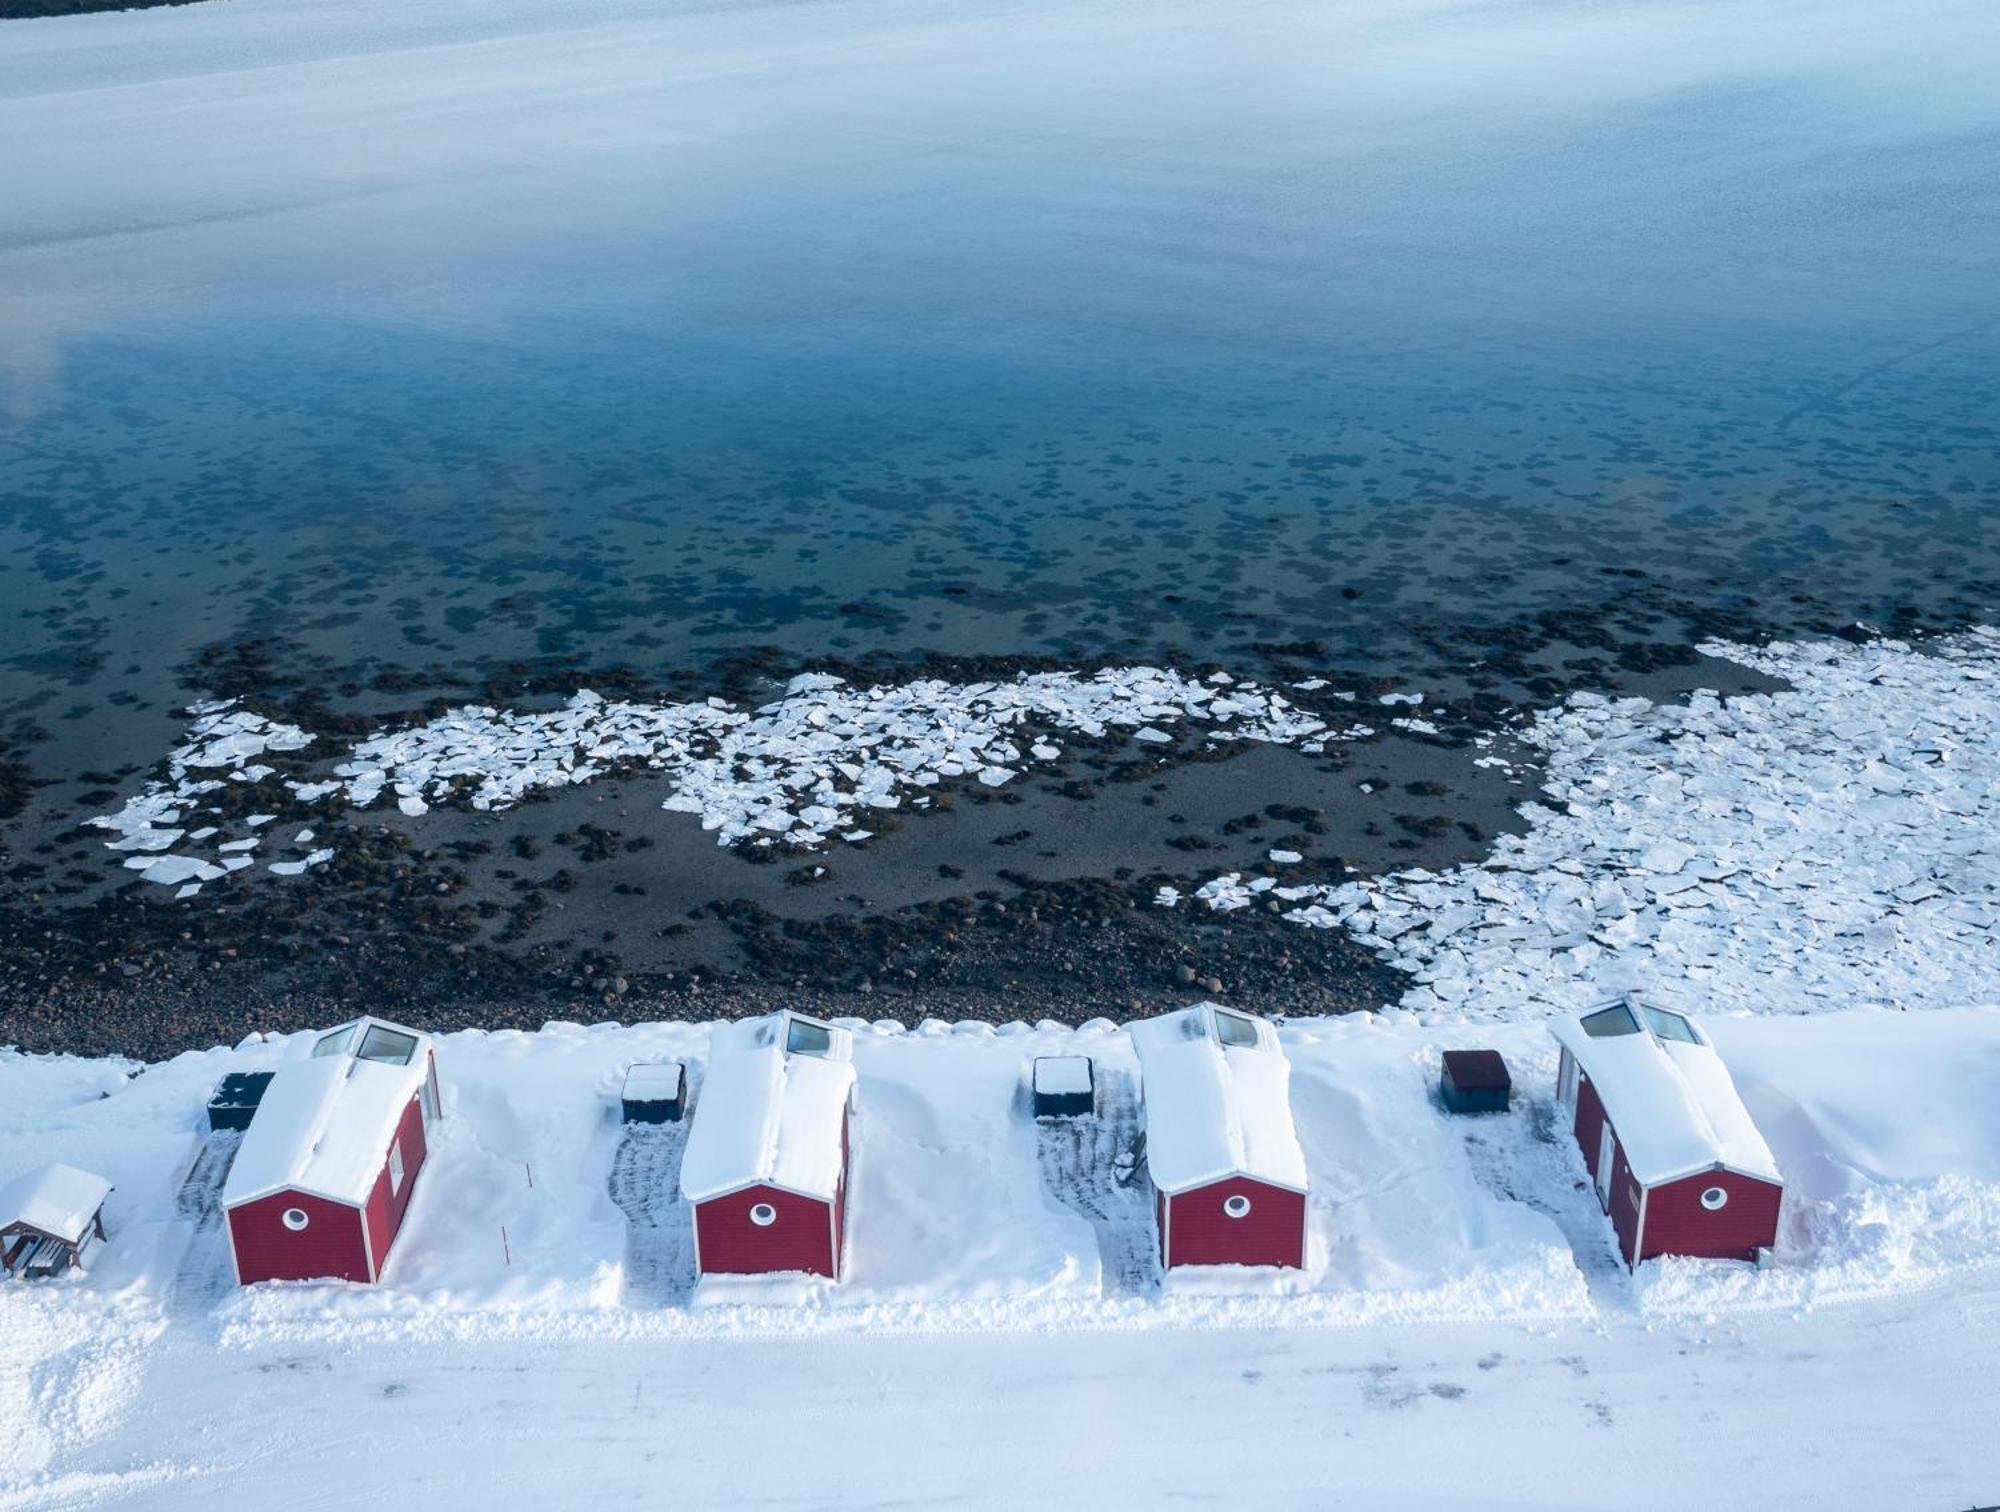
x=1879, y=1122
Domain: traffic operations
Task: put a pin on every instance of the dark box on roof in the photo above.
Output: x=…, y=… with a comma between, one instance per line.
x=1065, y=1086
x=655, y=1092
x=235, y=1100
x=1475, y=1081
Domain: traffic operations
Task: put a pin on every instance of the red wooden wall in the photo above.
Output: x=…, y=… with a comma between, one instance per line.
x=730, y=1244
x=1677, y=1223
x=386, y=1208
x=330, y=1244
x=1199, y=1232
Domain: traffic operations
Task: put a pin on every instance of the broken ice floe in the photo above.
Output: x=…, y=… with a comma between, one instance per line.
x=173, y=870
x=294, y=868
x=798, y=771
x=222, y=738
x=1832, y=845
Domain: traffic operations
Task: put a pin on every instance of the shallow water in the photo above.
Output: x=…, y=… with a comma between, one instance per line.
x=425, y=349
x=1073, y=332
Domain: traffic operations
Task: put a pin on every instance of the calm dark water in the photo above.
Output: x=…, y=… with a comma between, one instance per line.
x=850, y=331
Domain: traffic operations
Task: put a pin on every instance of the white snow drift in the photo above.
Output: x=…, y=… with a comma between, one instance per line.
x=1880, y=1123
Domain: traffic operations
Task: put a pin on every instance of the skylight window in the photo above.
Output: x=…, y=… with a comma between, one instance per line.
x=804, y=1037
x=335, y=1041
x=1671, y=1026
x=392, y=1047
x=1609, y=1023
x=1233, y=1029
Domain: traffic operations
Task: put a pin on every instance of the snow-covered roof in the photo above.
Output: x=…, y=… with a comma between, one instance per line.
x=653, y=1081
x=1062, y=1075
x=57, y=1199
x=1218, y=1100
x=325, y=1122
x=771, y=1110
x=1668, y=1094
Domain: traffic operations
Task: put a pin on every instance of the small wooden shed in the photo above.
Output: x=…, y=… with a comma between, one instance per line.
x=1475, y=1081
x=655, y=1092
x=233, y=1104
x=1674, y=1155
x=1064, y=1086
x=766, y=1167
x=1229, y=1178
x=327, y=1168
x=50, y=1219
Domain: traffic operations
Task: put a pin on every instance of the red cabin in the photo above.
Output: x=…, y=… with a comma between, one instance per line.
x=320, y=1186
x=766, y=1167
x=1677, y=1162
x=1229, y=1178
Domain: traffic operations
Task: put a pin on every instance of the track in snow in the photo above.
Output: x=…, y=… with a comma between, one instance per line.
x=1095, y=1167
x=645, y=1182
x=205, y=1274
x=1526, y=1155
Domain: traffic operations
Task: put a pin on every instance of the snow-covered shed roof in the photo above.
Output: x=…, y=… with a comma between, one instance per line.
x=57, y=1199
x=653, y=1081
x=772, y=1107
x=1668, y=1094
x=1218, y=1100
x=1062, y=1075
x=325, y=1123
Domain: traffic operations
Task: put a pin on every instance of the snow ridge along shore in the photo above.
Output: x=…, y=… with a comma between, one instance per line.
x=540, y=1216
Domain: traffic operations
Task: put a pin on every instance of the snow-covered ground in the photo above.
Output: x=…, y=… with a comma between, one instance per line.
x=1887, y=1406
x=1462, y=1282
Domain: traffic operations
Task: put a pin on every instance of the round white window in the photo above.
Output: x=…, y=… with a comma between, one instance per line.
x=1714, y=1198
x=763, y=1215
x=296, y=1219
x=1237, y=1206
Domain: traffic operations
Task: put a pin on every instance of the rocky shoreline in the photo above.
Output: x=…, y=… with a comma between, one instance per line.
x=1033, y=900
x=1069, y=954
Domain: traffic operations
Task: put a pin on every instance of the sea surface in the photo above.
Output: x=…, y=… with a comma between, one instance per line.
x=370, y=356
